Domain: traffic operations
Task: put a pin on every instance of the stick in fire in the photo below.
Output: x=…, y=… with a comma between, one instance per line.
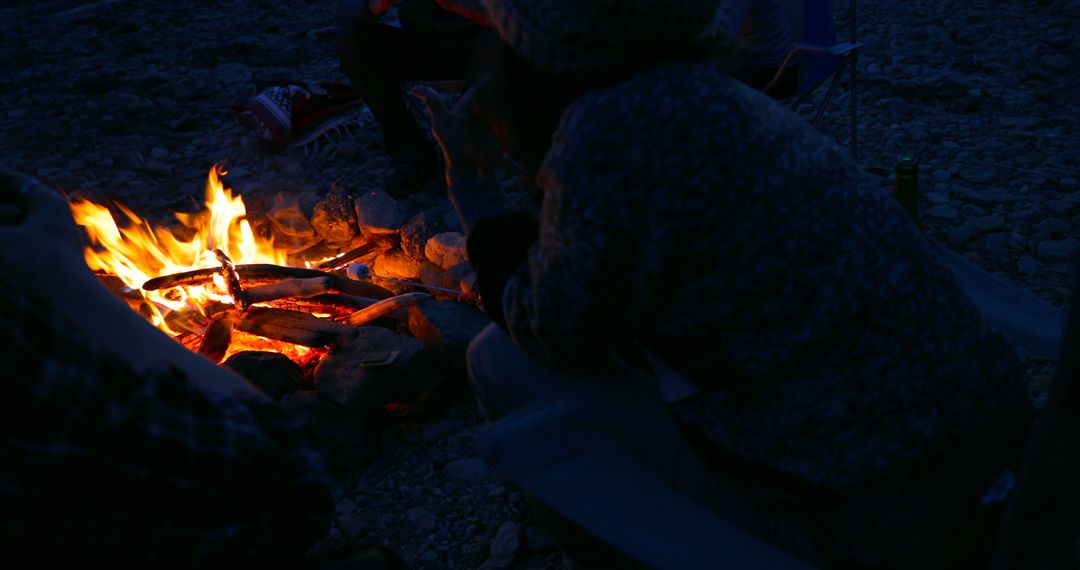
x=232, y=281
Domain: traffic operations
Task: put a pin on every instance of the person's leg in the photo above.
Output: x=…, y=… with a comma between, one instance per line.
x=377, y=58
x=759, y=77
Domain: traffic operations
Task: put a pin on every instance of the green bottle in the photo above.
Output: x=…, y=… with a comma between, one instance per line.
x=906, y=190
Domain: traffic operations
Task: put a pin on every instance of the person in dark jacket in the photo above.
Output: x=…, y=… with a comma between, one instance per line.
x=427, y=42
x=817, y=374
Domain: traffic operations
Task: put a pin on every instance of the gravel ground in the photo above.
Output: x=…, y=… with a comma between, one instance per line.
x=130, y=100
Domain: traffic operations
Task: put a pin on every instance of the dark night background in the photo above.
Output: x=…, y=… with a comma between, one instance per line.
x=130, y=100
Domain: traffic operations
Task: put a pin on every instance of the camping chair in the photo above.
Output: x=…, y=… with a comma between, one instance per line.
x=582, y=477
x=820, y=57
x=1040, y=527
x=550, y=452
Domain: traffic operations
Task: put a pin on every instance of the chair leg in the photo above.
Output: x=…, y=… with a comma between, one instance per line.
x=828, y=96
x=854, y=109
x=1039, y=528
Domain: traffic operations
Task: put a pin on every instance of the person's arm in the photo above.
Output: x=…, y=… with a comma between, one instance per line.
x=472, y=10
x=568, y=279
x=575, y=297
x=183, y=459
x=42, y=254
x=103, y=462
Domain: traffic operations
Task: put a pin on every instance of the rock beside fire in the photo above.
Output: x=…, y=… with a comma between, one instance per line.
x=379, y=214
x=433, y=275
x=446, y=249
x=420, y=228
x=379, y=370
x=335, y=218
x=273, y=373
x=447, y=326
x=292, y=230
x=348, y=438
x=397, y=264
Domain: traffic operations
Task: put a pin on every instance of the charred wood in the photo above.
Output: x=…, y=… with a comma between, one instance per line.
x=294, y=327
x=217, y=337
x=385, y=307
x=289, y=288
x=267, y=272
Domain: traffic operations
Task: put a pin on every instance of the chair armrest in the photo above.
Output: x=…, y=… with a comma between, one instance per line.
x=1022, y=317
x=836, y=49
x=551, y=452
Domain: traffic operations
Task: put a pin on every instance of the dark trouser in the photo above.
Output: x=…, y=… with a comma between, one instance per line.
x=759, y=76
x=379, y=57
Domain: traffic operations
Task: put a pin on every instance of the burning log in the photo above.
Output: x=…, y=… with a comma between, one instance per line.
x=294, y=327
x=191, y=319
x=203, y=276
x=289, y=288
x=232, y=281
x=385, y=307
x=340, y=300
x=266, y=272
x=217, y=337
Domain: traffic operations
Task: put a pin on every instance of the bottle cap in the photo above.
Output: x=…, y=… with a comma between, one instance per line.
x=907, y=162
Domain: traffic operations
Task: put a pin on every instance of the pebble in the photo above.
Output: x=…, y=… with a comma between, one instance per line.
x=989, y=223
x=504, y=547
x=438, y=430
x=943, y=212
x=294, y=169
x=1057, y=62
x=1057, y=250
x=421, y=520
x=1027, y=265
x=468, y=470
x=352, y=525
x=1051, y=228
x=346, y=505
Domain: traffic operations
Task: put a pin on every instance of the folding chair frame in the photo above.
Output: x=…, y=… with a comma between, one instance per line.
x=849, y=51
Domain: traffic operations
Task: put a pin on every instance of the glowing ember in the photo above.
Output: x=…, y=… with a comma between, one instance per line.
x=135, y=252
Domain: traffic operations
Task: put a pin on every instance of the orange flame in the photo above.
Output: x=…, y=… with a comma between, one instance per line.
x=135, y=252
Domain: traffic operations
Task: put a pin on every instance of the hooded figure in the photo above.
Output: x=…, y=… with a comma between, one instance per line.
x=830, y=370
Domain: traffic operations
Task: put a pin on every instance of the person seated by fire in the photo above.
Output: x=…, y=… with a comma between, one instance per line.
x=735, y=304
x=428, y=42
x=761, y=32
x=121, y=446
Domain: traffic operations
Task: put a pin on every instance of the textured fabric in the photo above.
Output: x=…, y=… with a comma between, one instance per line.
x=687, y=212
x=102, y=465
x=584, y=39
x=295, y=115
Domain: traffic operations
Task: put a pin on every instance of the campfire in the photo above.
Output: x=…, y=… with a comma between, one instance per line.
x=216, y=286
